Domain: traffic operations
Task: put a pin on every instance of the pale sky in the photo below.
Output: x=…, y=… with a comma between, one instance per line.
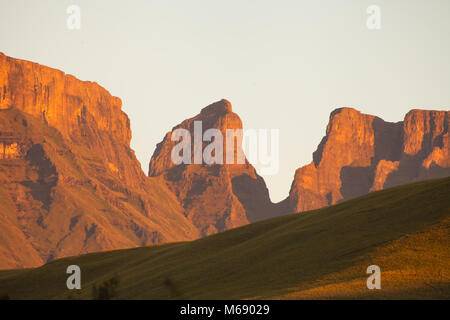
x=283, y=64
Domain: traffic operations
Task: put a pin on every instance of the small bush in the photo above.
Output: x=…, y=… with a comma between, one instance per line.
x=107, y=290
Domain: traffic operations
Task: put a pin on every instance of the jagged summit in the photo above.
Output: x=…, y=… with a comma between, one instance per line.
x=69, y=181
x=362, y=153
x=71, y=184
x=219, y=108
x=214, y=197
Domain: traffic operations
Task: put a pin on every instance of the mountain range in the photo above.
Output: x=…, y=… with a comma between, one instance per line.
x=71, y=184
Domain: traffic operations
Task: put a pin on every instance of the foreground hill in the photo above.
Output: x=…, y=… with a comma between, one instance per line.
x=318, y=254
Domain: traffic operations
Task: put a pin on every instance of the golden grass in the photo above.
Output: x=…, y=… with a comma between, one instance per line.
x=322, y=254
x=413, y=266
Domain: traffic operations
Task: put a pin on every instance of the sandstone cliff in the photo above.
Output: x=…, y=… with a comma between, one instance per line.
x=70, y=183
x=215, y=197
x=362, y=153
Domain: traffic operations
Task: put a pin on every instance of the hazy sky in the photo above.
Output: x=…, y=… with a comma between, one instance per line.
x=283, y=64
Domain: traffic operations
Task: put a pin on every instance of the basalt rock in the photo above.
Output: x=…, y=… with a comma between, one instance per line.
x=216, y=196
x=70, y=183
x=362, y=153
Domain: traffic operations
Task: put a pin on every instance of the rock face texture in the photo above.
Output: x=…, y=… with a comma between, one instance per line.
x=69, y=182
x=215, y=197
x=362, y=153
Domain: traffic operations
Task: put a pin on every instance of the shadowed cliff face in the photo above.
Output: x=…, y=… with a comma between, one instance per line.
x=215, y=197
x=362, y=153
x=69, y=182
x=83, y=112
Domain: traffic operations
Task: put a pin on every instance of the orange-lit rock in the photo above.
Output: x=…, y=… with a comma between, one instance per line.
x=69, y=182
x=383, y=170
x=9, y=150
x=362, y=153
x=219, y=196
x=82, y=111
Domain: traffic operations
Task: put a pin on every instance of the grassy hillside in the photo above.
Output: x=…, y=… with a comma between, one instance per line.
x=317, y=254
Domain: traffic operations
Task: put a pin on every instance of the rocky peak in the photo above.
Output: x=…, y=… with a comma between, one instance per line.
x=83, y=112
x=215, y=197
x=218, y=115
x=69, y=181
x=217, y=109
x=350, y=130
x=60, y=100
x=424, y=130
x=362, y=153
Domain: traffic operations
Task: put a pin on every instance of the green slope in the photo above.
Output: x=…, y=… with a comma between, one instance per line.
x=317, y=254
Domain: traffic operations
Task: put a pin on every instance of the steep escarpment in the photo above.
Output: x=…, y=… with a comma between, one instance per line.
x=70, y=183
x=219, y=195
x=362, y=153
x=83, y=112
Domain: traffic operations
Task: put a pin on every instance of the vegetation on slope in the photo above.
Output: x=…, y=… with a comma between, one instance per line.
x=317, y=254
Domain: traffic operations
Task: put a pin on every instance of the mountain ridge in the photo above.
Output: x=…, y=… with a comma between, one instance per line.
x=215, y=197
x=71, y=184
x=362, y=153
